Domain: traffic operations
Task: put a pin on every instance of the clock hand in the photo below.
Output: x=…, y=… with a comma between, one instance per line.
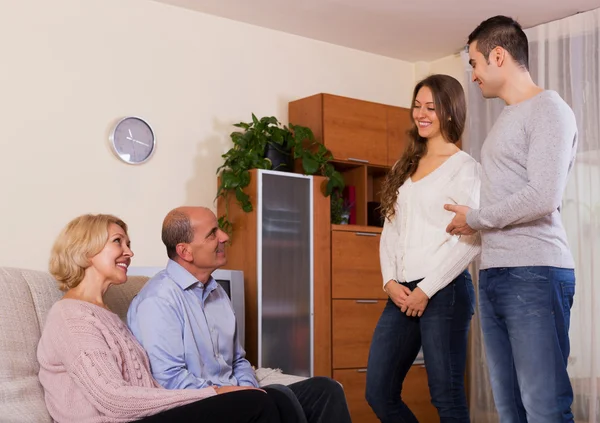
x=139, y=142
x=130, y=133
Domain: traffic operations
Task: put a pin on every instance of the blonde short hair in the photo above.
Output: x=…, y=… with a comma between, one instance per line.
x=82, y=238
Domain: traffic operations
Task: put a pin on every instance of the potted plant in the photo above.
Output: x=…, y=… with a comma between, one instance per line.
x=264, y=143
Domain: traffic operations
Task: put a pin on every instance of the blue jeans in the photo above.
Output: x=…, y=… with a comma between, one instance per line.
x=442, y=331
x=525, y=314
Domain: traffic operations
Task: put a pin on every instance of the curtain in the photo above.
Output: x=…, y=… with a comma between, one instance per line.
x=563, y=56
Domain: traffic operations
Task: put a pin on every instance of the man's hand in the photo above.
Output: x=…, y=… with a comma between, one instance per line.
x=226, y=389
x=459, y=225
x=415, y=304
x=398, y=293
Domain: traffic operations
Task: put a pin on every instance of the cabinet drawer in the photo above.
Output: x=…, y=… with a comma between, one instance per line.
x=355, y=129
x=415, y=393
x=353, y=323
x=355, y=269
x=354, y=382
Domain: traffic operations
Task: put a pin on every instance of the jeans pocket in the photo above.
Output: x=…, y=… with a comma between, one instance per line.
x=567, y=289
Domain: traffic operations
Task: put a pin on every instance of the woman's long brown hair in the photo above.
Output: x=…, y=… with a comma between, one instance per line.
x=451, y=110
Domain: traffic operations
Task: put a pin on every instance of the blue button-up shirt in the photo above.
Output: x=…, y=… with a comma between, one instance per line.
x=189, y=332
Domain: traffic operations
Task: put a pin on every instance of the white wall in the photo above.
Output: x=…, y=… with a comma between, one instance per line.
x=71, y=68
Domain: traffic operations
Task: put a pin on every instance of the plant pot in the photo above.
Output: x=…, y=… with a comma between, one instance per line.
x=281, y=158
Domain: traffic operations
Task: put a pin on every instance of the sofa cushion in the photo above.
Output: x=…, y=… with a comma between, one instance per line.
x=25, y=299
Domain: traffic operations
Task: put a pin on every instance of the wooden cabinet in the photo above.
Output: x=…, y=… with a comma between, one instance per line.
x=353, y=324
x=415, y=393
x=354, y=382
x=360, y=246
x=357, y=303
x=365, y=139
x=282, y=267
x=353, y=130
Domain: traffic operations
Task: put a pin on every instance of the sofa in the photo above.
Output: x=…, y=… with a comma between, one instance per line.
x=25, y=299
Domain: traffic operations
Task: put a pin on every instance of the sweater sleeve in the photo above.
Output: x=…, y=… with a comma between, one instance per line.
x=93, y=367
x=387, y=253
x=553, y=136
x=466, y=191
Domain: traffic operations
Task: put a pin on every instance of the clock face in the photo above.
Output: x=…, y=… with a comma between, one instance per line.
x=133, y=140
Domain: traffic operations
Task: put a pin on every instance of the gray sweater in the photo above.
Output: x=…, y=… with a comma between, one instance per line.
x=526, y=159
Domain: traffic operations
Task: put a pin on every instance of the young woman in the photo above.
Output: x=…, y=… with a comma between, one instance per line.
x=92, y=368
x=431, y=296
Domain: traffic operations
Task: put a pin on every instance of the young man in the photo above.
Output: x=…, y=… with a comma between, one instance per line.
x=185, y=322
x=527, y=281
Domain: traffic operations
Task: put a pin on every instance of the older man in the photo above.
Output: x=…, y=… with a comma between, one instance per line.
x=184, y=320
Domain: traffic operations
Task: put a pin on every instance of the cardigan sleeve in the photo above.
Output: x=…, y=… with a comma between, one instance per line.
x=387, y=253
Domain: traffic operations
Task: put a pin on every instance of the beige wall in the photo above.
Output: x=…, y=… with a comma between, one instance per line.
x=70, y=68
x=450, y=65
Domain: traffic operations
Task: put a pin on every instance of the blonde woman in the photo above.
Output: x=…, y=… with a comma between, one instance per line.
x=92, y=368
x=431, y=296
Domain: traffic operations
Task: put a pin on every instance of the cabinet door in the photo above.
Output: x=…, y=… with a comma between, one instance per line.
x=399, y=121
x=415, y=394
x=354, y=382
x=353, y=323
x=355, y=269
x=355, y=129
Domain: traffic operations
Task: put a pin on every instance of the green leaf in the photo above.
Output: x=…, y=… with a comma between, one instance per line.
x=230, y=180
x=329, y=188
x=310, y=165
x=338, y=180
x=244, y=178
x=241, y=196
x=270, y=120
x=255, y=120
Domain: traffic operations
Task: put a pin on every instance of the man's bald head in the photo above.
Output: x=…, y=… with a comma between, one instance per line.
x=178, y=227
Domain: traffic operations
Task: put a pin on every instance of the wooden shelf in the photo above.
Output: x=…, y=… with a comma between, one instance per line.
x=356, y=228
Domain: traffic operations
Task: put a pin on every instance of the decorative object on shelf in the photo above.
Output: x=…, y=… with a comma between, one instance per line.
x=132, y=140
x=349, y=203
x=347, y=209
x=266, y=144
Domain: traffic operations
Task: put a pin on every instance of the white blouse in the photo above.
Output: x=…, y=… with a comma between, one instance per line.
x=415, y=244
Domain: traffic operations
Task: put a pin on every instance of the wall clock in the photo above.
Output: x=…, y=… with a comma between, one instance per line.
x=132, y=140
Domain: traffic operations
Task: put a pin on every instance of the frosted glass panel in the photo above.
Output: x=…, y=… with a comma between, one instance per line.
x=286, y=275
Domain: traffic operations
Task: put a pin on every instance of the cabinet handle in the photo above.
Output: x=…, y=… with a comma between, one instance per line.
x=352, y=159
x=365, y=234
x=361, y=370
x=366, y=301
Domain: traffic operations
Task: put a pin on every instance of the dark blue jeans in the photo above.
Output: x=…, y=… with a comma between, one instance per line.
x=525, y=314
x=442, y=331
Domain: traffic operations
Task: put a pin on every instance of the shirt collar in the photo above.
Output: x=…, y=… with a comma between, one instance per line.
x=185, y=279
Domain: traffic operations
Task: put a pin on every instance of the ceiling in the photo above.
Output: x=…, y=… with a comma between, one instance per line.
x=407, y=30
